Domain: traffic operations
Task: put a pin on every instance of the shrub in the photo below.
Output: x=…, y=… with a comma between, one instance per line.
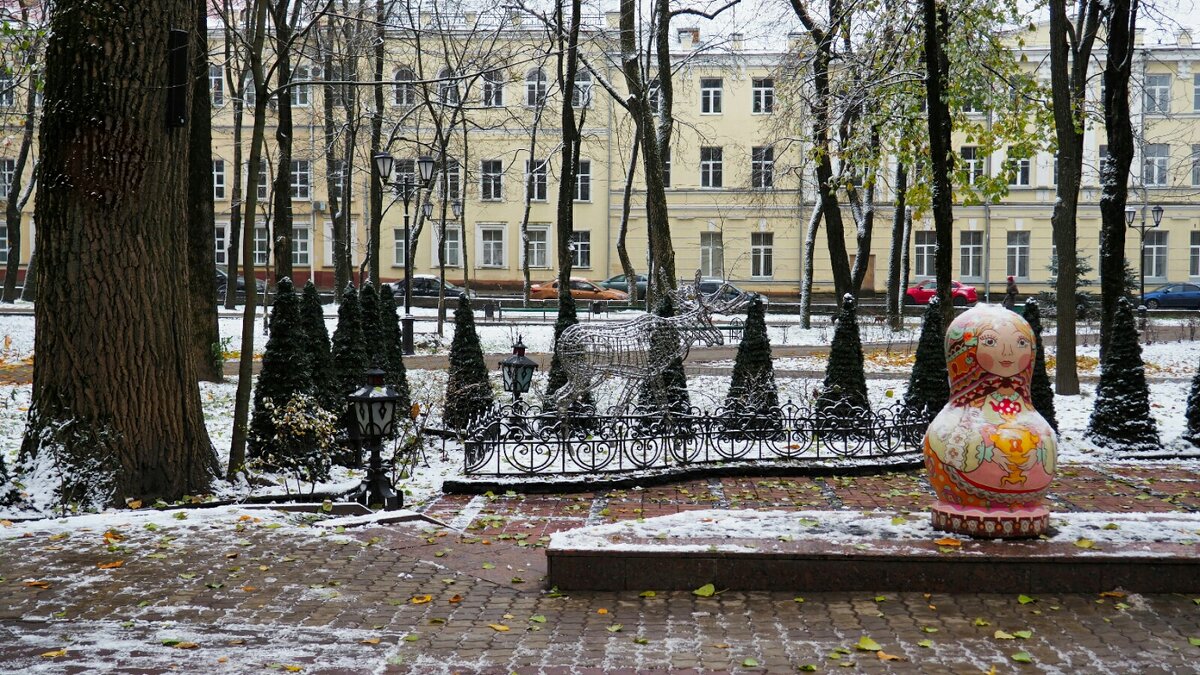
x=393, y=350
x=468, y=391
x=285, y=369
x=752, y=389
x=1121, y=414
x=304, y=439
x=316, y=344
x=929, y=385
x=845, y=388
x=1039, y=388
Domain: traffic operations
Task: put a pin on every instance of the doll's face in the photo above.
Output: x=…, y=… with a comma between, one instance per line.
x=1004, y=350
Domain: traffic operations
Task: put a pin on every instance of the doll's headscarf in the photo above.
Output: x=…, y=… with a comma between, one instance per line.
x=969, y=382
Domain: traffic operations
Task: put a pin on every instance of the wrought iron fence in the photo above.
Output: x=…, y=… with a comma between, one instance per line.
x=528, y=441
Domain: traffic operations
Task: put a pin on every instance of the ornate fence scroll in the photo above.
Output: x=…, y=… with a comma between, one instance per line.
x=527, y=441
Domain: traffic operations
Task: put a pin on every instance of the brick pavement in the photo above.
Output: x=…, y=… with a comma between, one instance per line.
x=255, y=597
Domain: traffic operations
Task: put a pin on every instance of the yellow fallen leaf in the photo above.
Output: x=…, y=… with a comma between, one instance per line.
x=1112, y=594
x=948, y=541
x=249, y=589
x=54, y=654
x=421, y=599
x=134, y=504
x=38, y=584
x=370, y=641
x=6, y=523
x=185, y=645
x=456, y=598
x=112, y=535
x=110, y=565
x=884, y=656
x=498, y=627
x=721, y=645
x=293, y=669
x=602, y=611
x=243, y=519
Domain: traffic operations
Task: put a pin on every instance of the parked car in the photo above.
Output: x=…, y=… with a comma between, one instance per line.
x=1186, y=296
x=426, y=286
x=223, y=281
x=618, y=283
x=961, y=294
x=710, y=286
x=581, y=289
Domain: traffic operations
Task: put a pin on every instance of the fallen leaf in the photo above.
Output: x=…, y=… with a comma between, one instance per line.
x=798, y=599
x=6, y=523
x=880, y=598
x=749, y=663
x=602, y=611
x=884, y=656
x=925, y=643
x=538, y=618
x=1025, y=599
x=705, y=591
x=647, y=594
x=928, y=629
x=488, y=566
x=721, y=645
x=807, y=668
x=38, y=584
x=640, y=640
x=421, y=599
x=615, y=628
x=456, y=598
x=498, y=627
x=948, y=541
x=112, y=535
x=981, y=622
x=249, y=589
x=866, y=644
x=370, y=641
x=1085, y=543
x=185, y=645
x=110, y=565
x=54, y=654
x=1022, y=657
x=134, y=504
x=1023, y=634
x=1001, y=635
x=293, y=669
x=1112, y=594
x=1195, y=642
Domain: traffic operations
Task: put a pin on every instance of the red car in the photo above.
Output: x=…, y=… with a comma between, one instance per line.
x=922, y=292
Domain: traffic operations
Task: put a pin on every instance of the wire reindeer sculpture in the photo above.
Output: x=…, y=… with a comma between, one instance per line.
x=592, y=353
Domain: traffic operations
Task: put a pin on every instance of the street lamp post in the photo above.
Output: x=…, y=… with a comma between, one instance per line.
x=405, y=189
x=374, y=409
x=1156, y=215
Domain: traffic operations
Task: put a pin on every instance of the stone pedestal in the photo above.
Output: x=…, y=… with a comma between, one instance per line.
x=1015, y=523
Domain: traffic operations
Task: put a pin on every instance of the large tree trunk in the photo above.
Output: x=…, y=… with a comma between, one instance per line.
x=115, y=400
x=806, y=276
x=570, y=154
x=201, y=256
x=1122, y=22
x=282, y=216
x=895, y=304
x=938, y=68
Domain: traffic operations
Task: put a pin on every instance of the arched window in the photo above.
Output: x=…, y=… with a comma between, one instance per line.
x=581, y=95
x=535, y=88
x=301, y=91
x=447, y=86
x=404, y=93
x=493, y=89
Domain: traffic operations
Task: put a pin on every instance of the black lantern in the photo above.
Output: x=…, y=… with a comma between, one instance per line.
x=374, y=410
x=517, y=371
x=383, y=164
x=425, y=167
x=427, y=209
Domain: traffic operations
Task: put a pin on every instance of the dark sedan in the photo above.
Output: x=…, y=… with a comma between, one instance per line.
x=223, y=281
x=1185, y=296
x=618, y=283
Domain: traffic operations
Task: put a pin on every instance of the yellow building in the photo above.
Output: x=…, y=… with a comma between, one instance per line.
x=739, y=198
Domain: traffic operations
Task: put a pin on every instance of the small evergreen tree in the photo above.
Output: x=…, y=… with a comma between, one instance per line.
x=393, y=350
x=1039, y=388
x=1193, y=412
x=468, y=391
x=752, y=389
x=929, y=385
x=667, y=391
x=557, y=376
x=373, y=341
x=348, y=355
x=1121, y=414
x=285, y=370
x=845, y=386
x=320, y=365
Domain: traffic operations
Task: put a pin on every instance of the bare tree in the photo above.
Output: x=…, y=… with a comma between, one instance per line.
x=23, y=57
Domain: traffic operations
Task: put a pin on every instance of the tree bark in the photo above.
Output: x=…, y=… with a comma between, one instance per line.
x=623, y=228
x=375, y=194
x=115, y=400
x=201, y=257
x=29, y=288
x=895, y=304
x=1114, y=175
x=568, y=65
x=282, y=219
x=937, y=69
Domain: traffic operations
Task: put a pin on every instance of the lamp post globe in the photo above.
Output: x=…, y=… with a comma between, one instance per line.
x=517, y=370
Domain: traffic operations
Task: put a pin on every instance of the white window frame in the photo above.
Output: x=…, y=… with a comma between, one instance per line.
x=970, y=255
x=973, y=162
x=493, y=251
x=491, y=180
x=450, y=185
x=453, y=244
x=264, y=180
x=710, y=95
x=762, y=167
x=492, y=95
x=1194, y=255
x=924, y=254
x=216, y=85
x=666, y=164
x=1195, y=164
x=4, y=242
x=762, y=255
x=221, y=247
x=300, y=95
x=327, y=243
x=536, y=179
x=539, y=246
x=218, y=179
x=301, y=245
x=654, y=97
x=262, y=246
x=1155, y=257
x=581, y=249
x=581, y=93
x=537, y=88
x=1017, y=248
x=583, y=181
x=447, y=87
x=1157, y=99
x=398, y=244
x=8, y=173
x=712, y=160
x=1023, y=172
x=1196, y=92
x=762, y=96
x=300, y=180
x=712, y=254
x=1155, y=166
x=404, y=93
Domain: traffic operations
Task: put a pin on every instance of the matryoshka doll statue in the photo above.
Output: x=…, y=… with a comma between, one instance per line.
x=990, y=455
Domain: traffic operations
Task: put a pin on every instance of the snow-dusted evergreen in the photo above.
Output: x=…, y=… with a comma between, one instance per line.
x=845, y=386
x=752, y=387
x=285, y=373
x=1039, y=388
x=1193, y=411
x=316, y=344
x=1121, y=418
x=468, y=391
x=393, y=350
x=929, y=384
x=666, y=392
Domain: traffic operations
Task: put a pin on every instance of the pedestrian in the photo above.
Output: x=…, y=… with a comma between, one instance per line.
x=1010, y=294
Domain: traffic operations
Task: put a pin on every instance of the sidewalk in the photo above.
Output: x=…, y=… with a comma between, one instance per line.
x=245, y=593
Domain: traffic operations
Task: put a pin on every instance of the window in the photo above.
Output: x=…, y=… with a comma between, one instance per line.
x=404, y=170
x=581, y=95
x=493, y=89
x=219, y=232
x=655, y=97
x=216, y=86
x=1196, y=92
x=1020, y=172
x=8, y=85
x=300, y=246
x=1154, y=164
x=451, y=183
x=762, y=91
x=491, y=185
x=342, y=94
x=300, y=93
x=923, y=262
x=337, y=177
x=762, y=253
x=762, y=167
x=8, y=173
x=249, y=93
x=1018, y=255
x=973, y=163
x=453, y=245
x=710, y=167
x=447, y=86
x=535, y=179
x=1158, y=94
x=539, y=245
x=262, y=246
x=491, y=246
x=535, y=88
x=710, y=95
x=218, y=179
x=1195, y=164
x=1194, y=257
x=1155, y=256
x=583, y=181
x=403, y=92
x=712, y=255
x=666, y=162
x=398, y=247
x=971, y=260
x=263, y=183
x=301, y=179
x=581, y=248
x=4, y=243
